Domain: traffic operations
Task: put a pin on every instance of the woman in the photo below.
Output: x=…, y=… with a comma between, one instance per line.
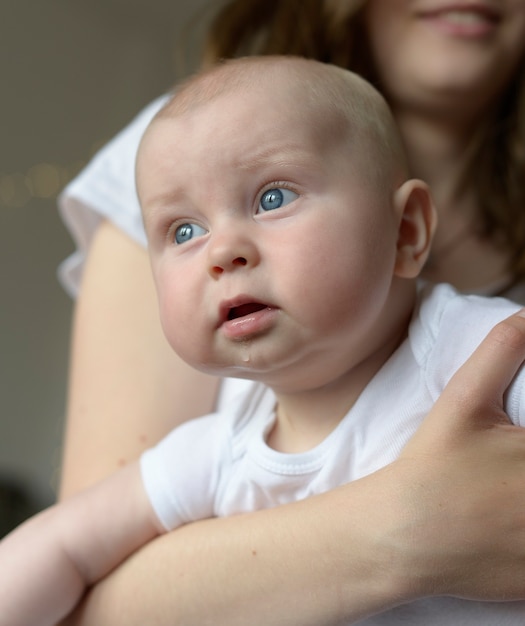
x=411, y=529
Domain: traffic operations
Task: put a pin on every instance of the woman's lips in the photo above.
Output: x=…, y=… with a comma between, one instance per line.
x=463, y=20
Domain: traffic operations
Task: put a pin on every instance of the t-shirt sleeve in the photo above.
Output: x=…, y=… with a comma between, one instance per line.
x=181, y=474
x=104, y=189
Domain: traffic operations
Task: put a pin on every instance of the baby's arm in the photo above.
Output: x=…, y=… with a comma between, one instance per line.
x=47, y=563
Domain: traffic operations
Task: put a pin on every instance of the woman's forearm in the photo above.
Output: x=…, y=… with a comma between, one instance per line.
x=402, y=533
x=310, y=562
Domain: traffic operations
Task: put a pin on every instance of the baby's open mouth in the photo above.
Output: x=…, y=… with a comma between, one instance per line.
x=245, y=309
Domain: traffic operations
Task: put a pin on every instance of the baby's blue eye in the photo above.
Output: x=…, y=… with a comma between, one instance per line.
x=276, y=198
x=185, y=232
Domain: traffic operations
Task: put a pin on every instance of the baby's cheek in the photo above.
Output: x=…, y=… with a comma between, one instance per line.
x=184, y=327
x=171, y=316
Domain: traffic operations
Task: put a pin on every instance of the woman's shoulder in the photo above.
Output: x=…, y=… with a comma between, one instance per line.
x=104, y=190
x=112, y=170
x=515, y=292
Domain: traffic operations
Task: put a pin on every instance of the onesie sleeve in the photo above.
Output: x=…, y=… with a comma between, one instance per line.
x=455, y=326
x=181, y=474
x=104, y=189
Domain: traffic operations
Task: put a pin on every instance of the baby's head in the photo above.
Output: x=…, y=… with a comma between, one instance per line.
x=282, y=228
x=339, y=105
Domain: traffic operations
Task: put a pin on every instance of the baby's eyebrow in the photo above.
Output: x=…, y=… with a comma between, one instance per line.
x=158, y=207
x=272, y=156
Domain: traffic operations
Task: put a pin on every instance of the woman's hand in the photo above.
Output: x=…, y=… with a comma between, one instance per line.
x=465, y=505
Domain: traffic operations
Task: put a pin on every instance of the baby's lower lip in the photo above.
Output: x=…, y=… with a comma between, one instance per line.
x=249, y=322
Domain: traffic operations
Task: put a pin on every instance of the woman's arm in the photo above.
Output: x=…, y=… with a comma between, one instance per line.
x=409, y=530
x=127, y=387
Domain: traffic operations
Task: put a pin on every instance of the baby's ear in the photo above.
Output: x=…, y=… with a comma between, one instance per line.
x=418, y=219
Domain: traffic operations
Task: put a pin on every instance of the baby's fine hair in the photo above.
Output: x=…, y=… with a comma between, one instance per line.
x=343, y=105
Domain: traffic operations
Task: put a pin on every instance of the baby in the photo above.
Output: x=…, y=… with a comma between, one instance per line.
x=285, y=240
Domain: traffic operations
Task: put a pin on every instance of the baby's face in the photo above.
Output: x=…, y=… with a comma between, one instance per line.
x=272, y=252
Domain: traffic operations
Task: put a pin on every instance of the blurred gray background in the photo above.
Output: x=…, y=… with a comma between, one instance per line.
x=72, y=73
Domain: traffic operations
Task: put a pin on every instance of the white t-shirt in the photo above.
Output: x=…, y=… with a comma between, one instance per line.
x=220, y=465
x=104, y=189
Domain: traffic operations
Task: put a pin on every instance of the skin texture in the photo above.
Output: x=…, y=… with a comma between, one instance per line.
x=329, y=266
x=106, y=427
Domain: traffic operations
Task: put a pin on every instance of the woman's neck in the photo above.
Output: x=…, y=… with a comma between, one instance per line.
x=440, y=152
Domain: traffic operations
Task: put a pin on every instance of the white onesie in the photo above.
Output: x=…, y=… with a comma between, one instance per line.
x=220, y=465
